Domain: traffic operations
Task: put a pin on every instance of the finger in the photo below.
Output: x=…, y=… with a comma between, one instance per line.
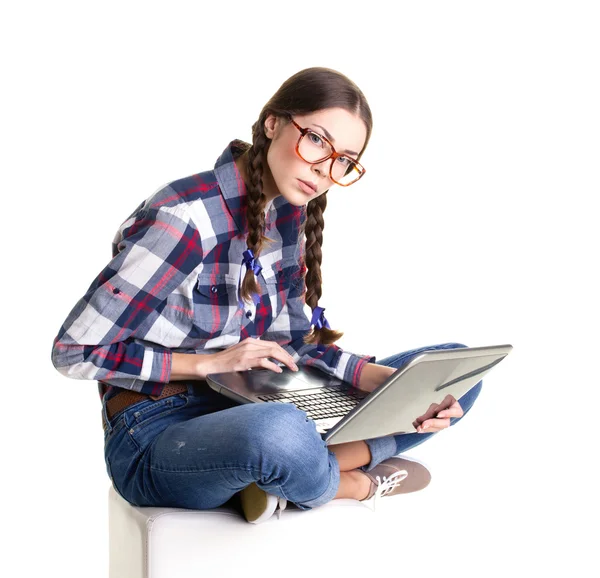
x=433, y=425
x=448, y=401
x=453, y=411
x=264, y=362
x=279, y=353
x=429, y=413
x=449, y=413
x=274, y=350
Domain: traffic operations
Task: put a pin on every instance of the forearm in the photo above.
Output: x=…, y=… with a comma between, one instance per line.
x=195, y=366
x=373, y=375
x=189, y=366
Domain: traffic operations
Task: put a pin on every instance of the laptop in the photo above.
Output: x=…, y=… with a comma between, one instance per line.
x=429, y=382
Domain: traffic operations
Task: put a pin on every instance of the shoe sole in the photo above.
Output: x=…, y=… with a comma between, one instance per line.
x=257, y=505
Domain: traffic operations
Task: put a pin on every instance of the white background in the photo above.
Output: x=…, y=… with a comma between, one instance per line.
x=476, y=222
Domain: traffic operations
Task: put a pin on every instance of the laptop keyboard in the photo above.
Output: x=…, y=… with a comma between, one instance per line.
x=326, y=403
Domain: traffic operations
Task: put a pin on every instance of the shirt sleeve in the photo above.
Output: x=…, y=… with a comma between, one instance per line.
x=293, y=323
x=153, y=253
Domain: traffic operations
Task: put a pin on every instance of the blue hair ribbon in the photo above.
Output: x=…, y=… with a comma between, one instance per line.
x=318, y=318
x=319, y=321
x=251, y=263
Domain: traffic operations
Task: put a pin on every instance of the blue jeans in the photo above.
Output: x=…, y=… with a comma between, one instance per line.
x=198, y=449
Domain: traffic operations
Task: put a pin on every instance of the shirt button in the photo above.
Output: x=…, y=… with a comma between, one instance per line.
x=116, y=291
x=248, y=313
x=214, y=288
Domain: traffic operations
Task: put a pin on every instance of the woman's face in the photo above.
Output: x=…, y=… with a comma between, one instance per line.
x=285, y=168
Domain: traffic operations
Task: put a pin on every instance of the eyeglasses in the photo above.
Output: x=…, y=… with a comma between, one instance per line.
x=315, y=148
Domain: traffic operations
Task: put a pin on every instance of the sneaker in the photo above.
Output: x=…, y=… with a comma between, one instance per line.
x=259, y=506
x=395, y=476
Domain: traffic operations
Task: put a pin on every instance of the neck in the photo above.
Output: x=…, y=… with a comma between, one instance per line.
x=269, y=189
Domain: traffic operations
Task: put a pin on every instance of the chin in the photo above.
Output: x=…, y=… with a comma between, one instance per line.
x=297, y=198
x=303, y=200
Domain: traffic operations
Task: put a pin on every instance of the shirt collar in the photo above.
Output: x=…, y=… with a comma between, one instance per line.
x=234, y=189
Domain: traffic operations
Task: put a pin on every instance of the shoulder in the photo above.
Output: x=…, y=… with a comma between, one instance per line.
x=178, y=198
x=184, y=192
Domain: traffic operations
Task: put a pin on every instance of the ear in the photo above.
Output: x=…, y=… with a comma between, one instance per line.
x=271, y=125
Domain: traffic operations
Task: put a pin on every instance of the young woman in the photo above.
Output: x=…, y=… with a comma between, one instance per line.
x=212, y=273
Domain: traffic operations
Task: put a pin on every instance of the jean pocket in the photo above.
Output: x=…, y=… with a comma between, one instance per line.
x=150, y=410
x=151, y=417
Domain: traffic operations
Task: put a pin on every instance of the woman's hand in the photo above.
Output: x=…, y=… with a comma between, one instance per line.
x=442, y=412
x=243, y=356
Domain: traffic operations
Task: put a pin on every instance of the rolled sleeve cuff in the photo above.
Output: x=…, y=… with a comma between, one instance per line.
x=350, y=366
x=156, y=367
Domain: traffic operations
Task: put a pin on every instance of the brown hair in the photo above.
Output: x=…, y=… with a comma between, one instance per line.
x=307, y=91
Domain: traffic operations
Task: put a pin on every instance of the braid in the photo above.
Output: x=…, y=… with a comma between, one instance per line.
x=308, y=91
x=255, y=216
x=314, y=240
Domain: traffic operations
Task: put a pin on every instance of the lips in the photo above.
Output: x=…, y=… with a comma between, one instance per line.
x=308, y=185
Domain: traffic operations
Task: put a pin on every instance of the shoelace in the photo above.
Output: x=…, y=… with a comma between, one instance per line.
x=385, y=486
x=282, y=505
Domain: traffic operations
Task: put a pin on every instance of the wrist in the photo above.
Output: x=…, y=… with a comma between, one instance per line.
x=373, y=375
x=204, y=364
x=189, y=366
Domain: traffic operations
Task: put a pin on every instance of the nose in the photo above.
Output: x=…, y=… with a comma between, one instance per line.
x=322, y=168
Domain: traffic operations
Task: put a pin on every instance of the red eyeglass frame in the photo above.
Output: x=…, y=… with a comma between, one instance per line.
x=334, y=155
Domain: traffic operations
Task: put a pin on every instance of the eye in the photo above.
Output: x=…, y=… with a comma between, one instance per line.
x=315, y=139
x=346, y=161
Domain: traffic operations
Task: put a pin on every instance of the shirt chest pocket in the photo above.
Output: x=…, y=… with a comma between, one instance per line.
x=278, y=279
x=215, y=297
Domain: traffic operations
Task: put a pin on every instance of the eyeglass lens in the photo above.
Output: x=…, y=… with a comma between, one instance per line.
x=313, y=149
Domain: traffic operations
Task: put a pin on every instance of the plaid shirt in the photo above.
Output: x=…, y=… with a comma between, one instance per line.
x=173, y=286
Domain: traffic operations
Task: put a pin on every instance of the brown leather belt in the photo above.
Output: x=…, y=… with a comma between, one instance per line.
x=125, y=398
